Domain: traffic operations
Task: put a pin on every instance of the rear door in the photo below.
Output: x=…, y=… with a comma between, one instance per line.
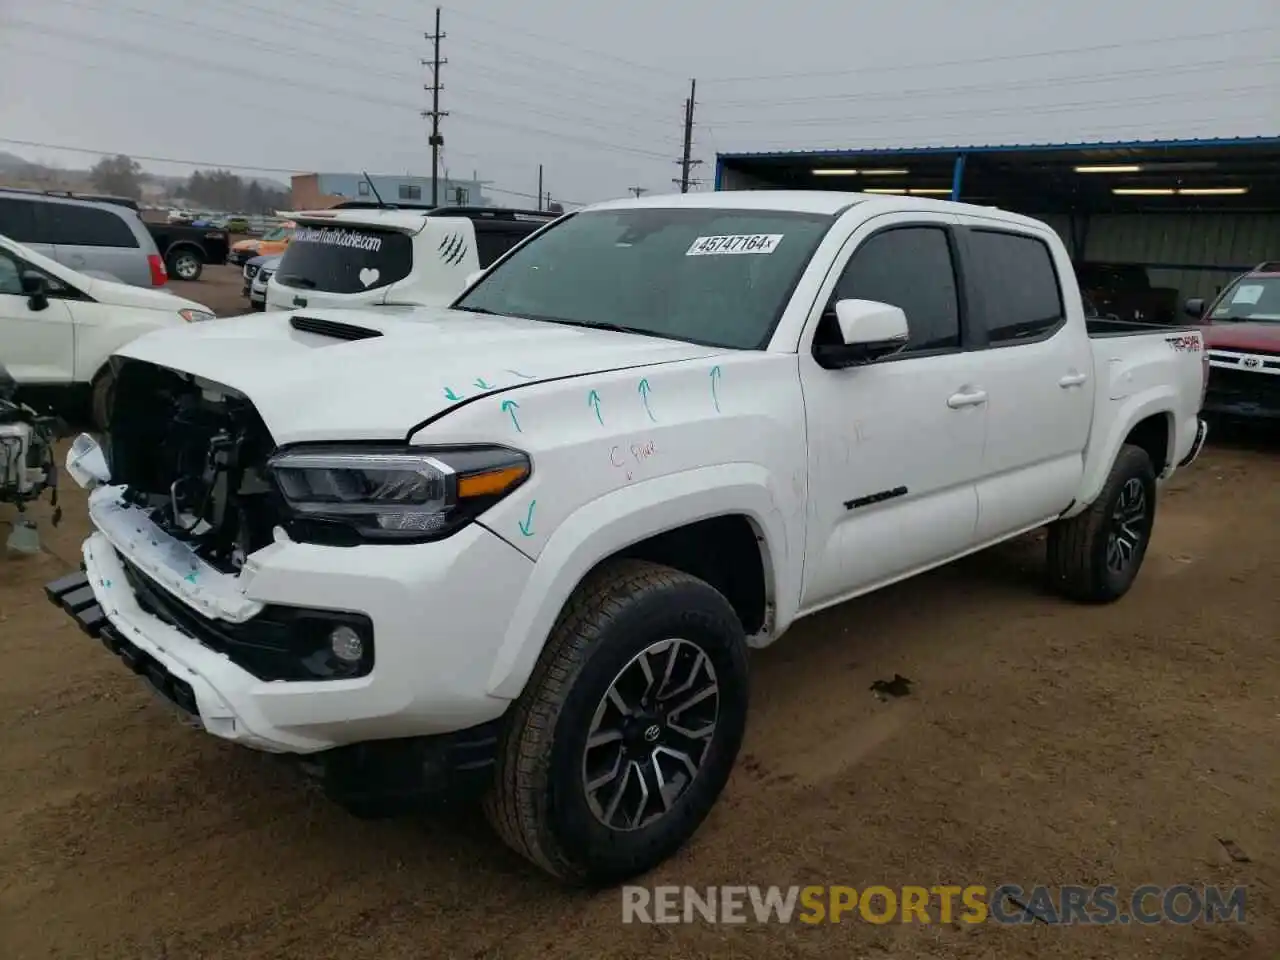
x=338, y=264
x=1037, y=369
x=95, y=237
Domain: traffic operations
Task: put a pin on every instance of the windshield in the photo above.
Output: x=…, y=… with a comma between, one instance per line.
x=277, y=233
x=712, y=276
x=1252, y=299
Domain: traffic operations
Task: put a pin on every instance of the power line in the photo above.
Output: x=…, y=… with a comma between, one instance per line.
x=1035, y=109
x=197, y=63
x=648, y=68
x=1003, y=85
x=1004, y=58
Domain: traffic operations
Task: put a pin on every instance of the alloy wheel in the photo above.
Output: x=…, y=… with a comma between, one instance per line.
x=1128, y=526
x=650, y=734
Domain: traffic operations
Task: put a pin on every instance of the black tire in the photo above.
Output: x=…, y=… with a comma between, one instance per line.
x=257, y=307
x=1079, y=548
x=185, y=264
x=539, y=803
x=101, y=395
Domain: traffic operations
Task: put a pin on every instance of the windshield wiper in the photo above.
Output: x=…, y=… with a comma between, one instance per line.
x=593, y=324
x=484, y=310
x=293, y=280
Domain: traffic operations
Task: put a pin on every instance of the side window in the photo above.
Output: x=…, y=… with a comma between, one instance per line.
x=493, y=240
x=18, y=220
x=911, y=268
x=72, y=225
x=362, y=188
x=410, y=191
x=10, y=275
x=1021, y=297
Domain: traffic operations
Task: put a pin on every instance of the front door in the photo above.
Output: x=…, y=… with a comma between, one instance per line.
x=36, y=346
x=895, y=446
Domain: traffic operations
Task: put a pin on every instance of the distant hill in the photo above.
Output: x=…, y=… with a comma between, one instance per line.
x=14, y=168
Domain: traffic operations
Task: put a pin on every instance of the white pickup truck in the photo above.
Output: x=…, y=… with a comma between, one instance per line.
x=526, y=541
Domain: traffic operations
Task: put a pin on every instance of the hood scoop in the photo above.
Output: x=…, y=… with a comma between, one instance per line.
x=332, y=328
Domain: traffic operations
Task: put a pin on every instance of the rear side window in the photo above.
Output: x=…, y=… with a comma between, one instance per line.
x=345, y=259
x=72, y=225
x=493, y=240
x=1020, y=295
x=18, y=220
x=910, y=268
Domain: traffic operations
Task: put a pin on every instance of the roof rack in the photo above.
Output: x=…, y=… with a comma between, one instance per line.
x=71, y=195
x=477, y=213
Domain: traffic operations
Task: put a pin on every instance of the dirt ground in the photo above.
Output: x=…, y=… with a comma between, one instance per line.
x=1043, y=743
x=218, y=289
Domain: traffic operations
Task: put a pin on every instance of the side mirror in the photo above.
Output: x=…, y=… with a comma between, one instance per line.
x=868, y=331
x=36, y=288
x=1194, y=307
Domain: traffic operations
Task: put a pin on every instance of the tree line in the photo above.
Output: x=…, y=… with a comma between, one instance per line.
x=122, y=176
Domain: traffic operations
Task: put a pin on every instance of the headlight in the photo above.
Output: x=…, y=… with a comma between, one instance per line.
x=195, y=316
x=393, y=493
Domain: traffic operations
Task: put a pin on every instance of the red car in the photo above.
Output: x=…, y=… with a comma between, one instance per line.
x=1242, y=336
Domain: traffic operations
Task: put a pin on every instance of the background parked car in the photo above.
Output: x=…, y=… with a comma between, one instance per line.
x=97, y=237
x=273, y=242
x=265, y=268
x=186, y=249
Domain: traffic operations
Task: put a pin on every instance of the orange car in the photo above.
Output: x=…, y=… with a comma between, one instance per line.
x=271, y=243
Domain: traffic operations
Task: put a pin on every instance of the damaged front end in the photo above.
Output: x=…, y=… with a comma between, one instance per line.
x=193, y=455
x=180, y=499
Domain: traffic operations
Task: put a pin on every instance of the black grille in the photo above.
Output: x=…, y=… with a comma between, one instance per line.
x=280, y=643
x=331, y=328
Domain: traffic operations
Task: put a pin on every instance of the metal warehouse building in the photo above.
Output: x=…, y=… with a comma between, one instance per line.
x=1193, y=212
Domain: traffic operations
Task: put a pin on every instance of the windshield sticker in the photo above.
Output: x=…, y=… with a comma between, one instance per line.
x=338, y=237
x=1251, y=294
x=739, y=243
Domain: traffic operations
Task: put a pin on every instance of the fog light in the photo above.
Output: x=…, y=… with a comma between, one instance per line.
x=346, y=644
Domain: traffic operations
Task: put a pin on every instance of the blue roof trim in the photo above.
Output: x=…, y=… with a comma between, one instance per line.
x=835, y=154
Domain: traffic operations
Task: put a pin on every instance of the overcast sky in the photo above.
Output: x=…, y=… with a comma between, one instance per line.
x=595, y=91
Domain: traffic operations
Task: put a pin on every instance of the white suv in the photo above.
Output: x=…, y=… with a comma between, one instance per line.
x=365, y=256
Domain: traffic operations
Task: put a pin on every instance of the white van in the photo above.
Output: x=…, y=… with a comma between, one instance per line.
x=58, y=326
x=363, y=255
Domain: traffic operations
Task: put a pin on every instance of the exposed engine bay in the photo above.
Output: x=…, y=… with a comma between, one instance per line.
x=193, y=454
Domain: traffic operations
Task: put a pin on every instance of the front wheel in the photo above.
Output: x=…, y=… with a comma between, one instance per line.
x=625, y=735
x=185, y=265
x=1095, y=556
x=101, y=397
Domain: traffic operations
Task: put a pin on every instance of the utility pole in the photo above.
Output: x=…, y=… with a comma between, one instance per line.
x=637, y=191
x=548, y=206
x=539, y=186
x=686, y=161
x=435, y=113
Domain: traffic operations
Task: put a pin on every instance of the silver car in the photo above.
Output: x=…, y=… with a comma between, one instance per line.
x=106, y=239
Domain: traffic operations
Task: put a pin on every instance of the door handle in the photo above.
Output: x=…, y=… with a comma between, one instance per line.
x=972, y=399
x=1072, y=380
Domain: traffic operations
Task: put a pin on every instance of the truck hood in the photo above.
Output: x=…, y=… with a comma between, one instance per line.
x=116, y=294
x=310, y=386
x=1262, y=336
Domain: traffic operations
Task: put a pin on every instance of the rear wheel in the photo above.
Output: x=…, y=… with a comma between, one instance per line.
x=625, y=735
x=185, y=264
x=1095, y=556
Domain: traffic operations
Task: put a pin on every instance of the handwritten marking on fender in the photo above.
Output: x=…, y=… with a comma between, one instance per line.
x=593, y=401
x=451, y=396
x=526, y=526
x=644, y=389
x=1188, y=343
x=715, y=380
x=510, y=406
x=640, y=452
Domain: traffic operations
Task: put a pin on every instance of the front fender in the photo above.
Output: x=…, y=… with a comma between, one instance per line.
x=618, y=519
